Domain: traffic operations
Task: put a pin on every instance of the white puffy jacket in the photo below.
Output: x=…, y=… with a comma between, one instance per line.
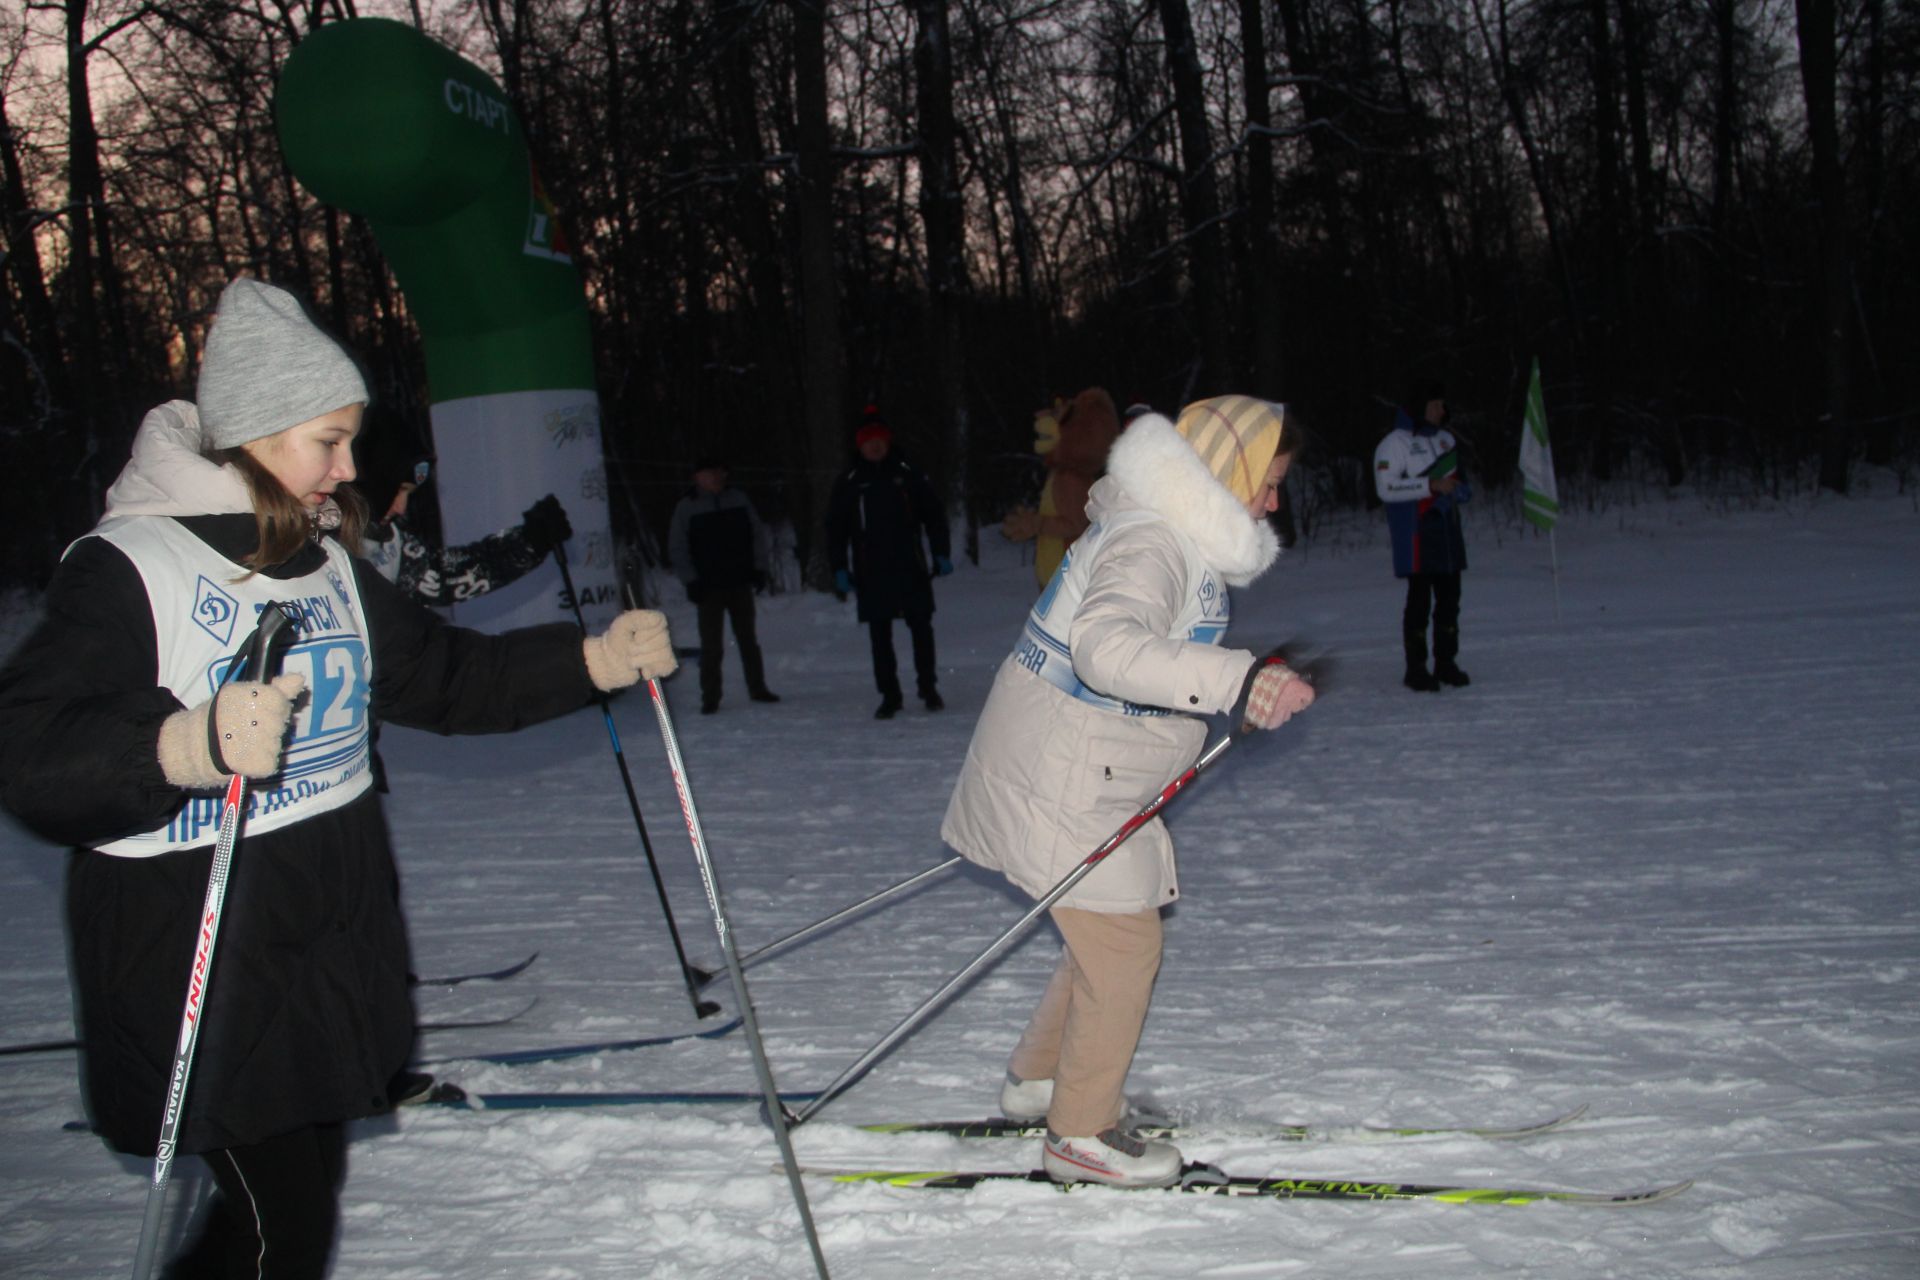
x=1083, y=724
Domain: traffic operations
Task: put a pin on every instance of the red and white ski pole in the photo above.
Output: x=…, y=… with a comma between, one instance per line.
x=255, y=662
x=777, y=1116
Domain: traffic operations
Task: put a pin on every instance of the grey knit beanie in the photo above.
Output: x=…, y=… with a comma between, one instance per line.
x=268, y=367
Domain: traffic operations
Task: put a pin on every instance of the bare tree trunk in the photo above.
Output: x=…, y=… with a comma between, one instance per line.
x=1262, y=317
x=1814, y=21
x=782, y=387
x=1650, y=338
x=824, y=353
x=1633, y=46
x=1603, y=353
x=1305, y=66
x=1199, y=203
x=1500, y=55
x=40, y=329
x=98, y=327
x=943, y=214
x=1873, y=177
x=1726, y=116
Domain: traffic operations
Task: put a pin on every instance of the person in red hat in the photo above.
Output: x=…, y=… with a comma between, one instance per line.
x=884, y=514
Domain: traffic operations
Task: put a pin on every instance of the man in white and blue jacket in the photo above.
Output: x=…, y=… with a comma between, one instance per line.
x=1416, y=470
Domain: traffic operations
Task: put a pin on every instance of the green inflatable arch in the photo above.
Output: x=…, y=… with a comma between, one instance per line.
x=381, y=121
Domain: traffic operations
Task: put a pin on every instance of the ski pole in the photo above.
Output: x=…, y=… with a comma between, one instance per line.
x=781, y=944
x=693, y=977
x=255, y=661
x=776, y=1110
x=1080, y=872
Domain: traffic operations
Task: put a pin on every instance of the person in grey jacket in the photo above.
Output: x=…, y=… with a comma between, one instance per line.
x=1091, y=715
x=720, y=554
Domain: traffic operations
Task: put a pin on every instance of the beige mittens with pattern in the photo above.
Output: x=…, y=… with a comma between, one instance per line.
x=241, y=729
x=1278, y=692
x=635, y=647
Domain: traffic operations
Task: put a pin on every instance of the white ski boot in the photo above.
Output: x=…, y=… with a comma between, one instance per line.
x=1116, y=1157
x=1028, y=1101
x=1025, y=1100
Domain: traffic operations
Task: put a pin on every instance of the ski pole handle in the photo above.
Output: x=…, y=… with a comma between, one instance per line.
x=262, y=650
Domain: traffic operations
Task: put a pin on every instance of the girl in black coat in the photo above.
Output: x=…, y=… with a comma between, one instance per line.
x=118, y=730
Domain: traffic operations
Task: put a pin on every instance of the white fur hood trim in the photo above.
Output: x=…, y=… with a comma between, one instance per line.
x=1155, y=467
x=167, y=474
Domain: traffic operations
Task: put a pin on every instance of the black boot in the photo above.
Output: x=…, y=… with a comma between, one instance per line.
x=889, y=704
x=1418, y=678
x=932, y=698
x=409, y=1087
x=1446, y=644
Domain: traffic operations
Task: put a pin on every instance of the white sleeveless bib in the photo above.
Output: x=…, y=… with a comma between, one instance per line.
x=204, y=607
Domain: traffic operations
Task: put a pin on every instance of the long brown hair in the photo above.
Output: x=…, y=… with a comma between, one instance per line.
x=1293, y=436
x=283, y=521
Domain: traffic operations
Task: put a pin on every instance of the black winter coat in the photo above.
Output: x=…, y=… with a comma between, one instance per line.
x=879, y=511
x=714, y=541
x=308, y=1014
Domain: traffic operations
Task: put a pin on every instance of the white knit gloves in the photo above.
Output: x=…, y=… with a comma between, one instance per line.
x=241, y=729
x=635, y=647
x=1277, y=693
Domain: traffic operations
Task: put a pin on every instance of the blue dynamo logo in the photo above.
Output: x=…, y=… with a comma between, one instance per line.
x=214, y=610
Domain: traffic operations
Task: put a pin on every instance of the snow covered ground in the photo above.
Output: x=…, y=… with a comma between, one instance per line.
x=1663, y=859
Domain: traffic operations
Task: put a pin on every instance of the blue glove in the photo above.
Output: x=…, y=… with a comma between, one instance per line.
x=942, y=566
x=842, y=582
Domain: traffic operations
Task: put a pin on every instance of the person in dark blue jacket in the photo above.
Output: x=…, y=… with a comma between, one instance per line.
x=1416, y=471
x=881, y=509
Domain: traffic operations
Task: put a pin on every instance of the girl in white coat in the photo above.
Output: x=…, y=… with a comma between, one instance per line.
x=1093, y=713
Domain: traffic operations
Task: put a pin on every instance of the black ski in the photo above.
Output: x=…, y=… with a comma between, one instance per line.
x=517, y=1057
x=468, y=1024
x=1001, y=1127
x=464, y=1024
x=452, y=1095
x=1204, y=1179
x=491, y=975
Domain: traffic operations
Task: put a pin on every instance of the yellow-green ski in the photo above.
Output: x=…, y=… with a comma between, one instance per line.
x=1001, y=1127
x=1205, y=1179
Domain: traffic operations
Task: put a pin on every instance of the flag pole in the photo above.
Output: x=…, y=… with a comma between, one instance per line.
x=1553, y=549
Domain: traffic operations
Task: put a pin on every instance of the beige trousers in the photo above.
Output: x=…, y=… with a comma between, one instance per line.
x=1088, y=1024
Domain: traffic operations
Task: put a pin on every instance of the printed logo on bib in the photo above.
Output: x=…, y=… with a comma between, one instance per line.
x=1215, y=610
x=214, y=610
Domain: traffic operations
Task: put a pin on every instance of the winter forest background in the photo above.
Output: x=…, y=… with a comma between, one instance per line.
x=1700, y=215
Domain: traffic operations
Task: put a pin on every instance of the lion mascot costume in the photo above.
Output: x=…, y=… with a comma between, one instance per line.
x=1073, y=437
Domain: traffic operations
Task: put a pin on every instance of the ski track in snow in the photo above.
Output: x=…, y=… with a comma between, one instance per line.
x=1659, y=859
